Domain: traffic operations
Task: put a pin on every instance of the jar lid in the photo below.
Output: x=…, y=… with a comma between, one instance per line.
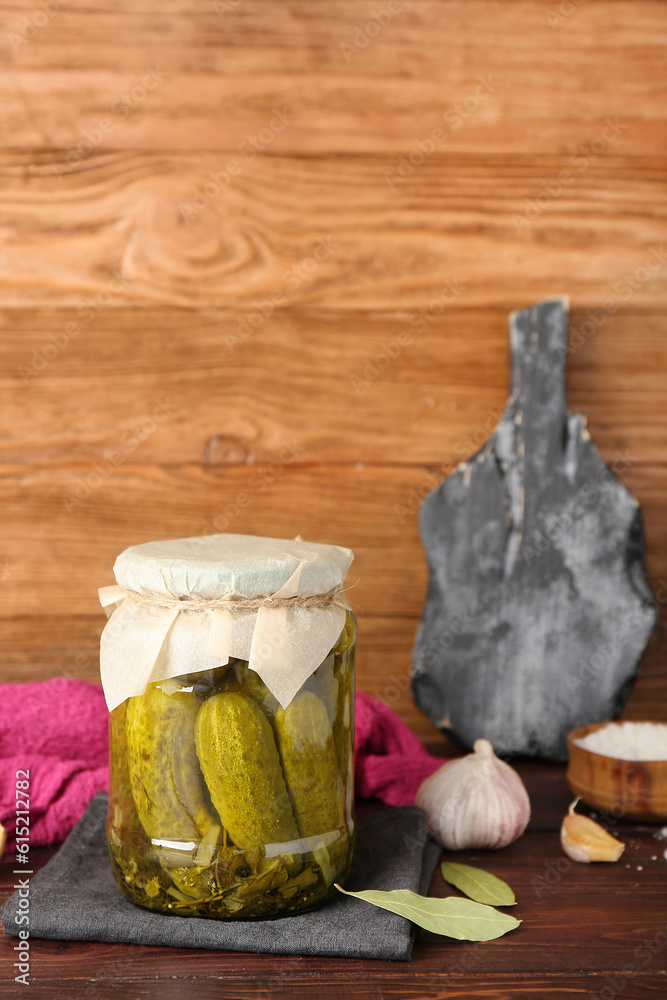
x=190, y=604
x=214, y=566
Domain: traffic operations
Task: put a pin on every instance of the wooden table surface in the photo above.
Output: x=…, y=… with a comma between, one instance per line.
x=584, y=926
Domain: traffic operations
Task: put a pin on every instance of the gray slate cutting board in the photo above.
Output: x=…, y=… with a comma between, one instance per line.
x=538, y=608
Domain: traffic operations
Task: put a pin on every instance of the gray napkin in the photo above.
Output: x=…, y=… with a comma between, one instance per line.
x=75, y=898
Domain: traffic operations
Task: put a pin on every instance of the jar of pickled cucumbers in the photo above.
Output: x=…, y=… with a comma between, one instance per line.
x=228, y=667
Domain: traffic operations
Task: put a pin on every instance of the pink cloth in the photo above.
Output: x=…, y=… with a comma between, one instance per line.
x=57, y=730
x=390, y=761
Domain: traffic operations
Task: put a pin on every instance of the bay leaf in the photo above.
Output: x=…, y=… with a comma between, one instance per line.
x=457, y=918
x=479, y=885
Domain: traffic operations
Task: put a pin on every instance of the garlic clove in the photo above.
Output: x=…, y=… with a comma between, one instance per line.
x=584, y=840
x=475, y=801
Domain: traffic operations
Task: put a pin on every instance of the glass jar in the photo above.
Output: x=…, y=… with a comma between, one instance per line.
x=222, y=803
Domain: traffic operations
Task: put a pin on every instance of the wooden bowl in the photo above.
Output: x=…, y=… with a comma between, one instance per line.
x=636, y=789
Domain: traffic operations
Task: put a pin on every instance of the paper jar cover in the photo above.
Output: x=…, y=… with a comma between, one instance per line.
x=150, y=638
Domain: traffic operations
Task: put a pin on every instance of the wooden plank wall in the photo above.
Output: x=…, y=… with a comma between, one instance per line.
x=256, y=260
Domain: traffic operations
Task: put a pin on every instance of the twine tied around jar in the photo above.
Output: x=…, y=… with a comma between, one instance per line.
x=233, y=602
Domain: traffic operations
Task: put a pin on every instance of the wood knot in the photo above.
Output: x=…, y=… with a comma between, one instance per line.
x=225, y=449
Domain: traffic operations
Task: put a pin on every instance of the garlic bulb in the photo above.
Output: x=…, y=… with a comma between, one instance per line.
x=584, y=840
x=475, y=801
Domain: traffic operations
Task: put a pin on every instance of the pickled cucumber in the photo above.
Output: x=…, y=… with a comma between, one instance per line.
x=122, y=811
x=324, y=683
x=344, y=728
x=240, y=763
x=306, y=746
x=163, y=767
x=348, y=636
x=249, y=682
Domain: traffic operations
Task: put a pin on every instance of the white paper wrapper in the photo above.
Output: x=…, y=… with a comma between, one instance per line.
x=144, y=642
